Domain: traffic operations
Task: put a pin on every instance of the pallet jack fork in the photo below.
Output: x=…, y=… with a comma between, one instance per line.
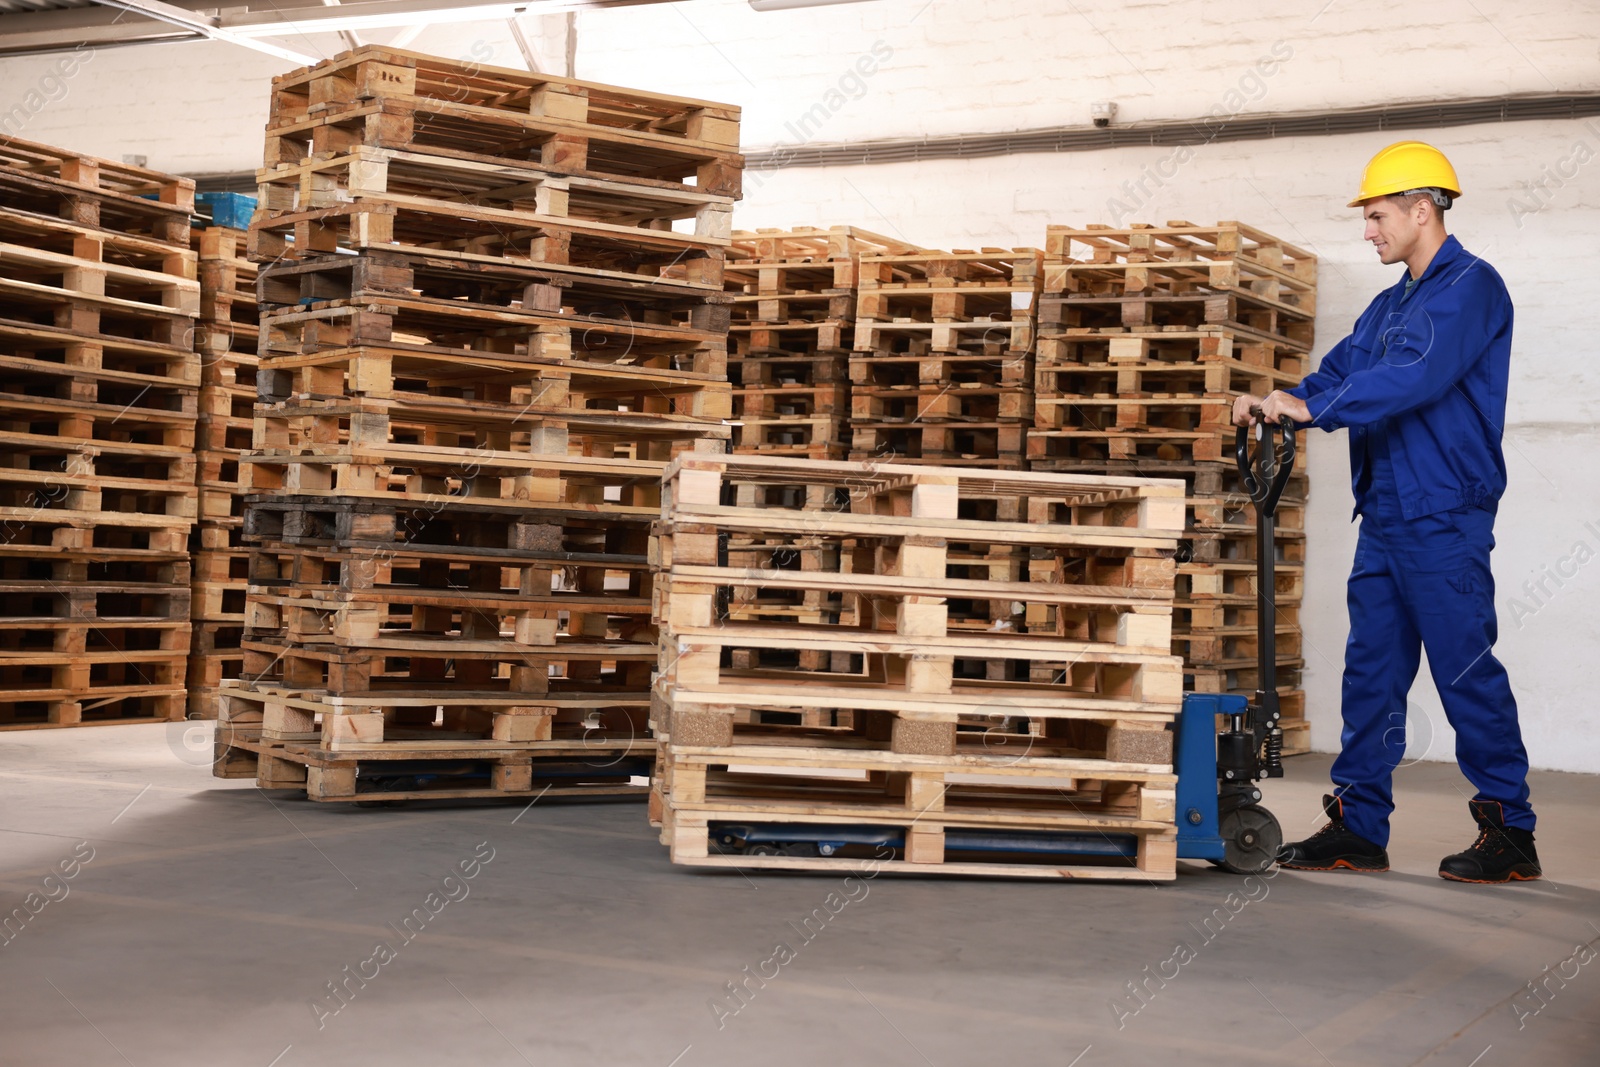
x=1219, y=814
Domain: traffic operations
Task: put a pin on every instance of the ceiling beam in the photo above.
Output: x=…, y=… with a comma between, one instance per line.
x=208, y=25
x=65, y=30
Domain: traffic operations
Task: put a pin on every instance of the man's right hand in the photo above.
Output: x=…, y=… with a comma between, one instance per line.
x=1241, y=409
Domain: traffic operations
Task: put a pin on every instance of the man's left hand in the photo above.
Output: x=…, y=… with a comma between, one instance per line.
x=1278, y=404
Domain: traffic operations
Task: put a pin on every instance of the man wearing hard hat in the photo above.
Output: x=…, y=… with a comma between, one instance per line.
x=1421, y=386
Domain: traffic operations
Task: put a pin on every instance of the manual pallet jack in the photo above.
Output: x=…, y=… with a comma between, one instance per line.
x=1218, y=810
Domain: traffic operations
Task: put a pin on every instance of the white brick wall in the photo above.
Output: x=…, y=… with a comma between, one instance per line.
x=988, y=65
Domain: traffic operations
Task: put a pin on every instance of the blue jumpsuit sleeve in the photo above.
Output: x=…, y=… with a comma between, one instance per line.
x=1426, y=354
x=1328, y=376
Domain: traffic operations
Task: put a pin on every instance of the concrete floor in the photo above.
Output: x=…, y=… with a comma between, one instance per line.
x=210, y=919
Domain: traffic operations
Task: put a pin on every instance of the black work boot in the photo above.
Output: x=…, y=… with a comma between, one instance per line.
x=1500, y=854
x=1334, y=846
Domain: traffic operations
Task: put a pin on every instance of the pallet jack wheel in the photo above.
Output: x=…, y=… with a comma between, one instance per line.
x=1251, y=839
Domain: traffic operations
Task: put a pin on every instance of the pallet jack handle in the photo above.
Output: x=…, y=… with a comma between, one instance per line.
x=1267, y=473
x=1256, y=736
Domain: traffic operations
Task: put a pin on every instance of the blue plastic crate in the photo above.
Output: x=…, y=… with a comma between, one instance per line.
x=226, y=209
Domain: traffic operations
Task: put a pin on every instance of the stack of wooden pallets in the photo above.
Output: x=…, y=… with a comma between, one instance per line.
x=482, y=340
x=226, y=340
x=942, y=366
x=98, y=298
x=906, y=734
x=1147, y=335
x=793, y=329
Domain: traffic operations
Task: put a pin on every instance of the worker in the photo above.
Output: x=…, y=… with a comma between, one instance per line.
x=1421, y=386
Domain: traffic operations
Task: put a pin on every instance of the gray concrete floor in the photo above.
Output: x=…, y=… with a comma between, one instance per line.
x=210, y=919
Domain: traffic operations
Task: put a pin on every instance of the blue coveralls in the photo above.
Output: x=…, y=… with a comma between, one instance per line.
x=1421, y=385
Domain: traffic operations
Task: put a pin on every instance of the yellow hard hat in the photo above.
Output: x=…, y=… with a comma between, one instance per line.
x=1407, y=165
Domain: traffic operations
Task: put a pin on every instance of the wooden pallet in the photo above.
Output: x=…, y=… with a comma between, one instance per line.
x=430, y=478
x=402, y=176
x=55, y=183
x=83, y=365
x=1142, y=243
x=430, y=225
x=990, y=366
x=951, y=403
x=1115, y=347
x=1234, y=581
x=610, y=722
x=431, y=770
x=1147, y=449
x=1183, y=277
x=772, y=369
x=1232, y=310
x=66, y=688
x=386, y=97
x=1115, y=640
x=993, y=445
x=889, y=722
x=809, y=258
x=492, y=307
x=923, y=797
x=819, y=437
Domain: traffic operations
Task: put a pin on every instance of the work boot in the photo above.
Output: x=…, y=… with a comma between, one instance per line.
x=1334, y=846
x=1500, y=854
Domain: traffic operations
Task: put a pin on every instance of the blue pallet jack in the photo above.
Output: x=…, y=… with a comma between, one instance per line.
x=1218, y=810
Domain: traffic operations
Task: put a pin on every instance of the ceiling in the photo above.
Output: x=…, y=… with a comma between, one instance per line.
x=32, y=27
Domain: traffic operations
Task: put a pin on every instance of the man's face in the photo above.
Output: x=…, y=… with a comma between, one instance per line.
x=1392, y=228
